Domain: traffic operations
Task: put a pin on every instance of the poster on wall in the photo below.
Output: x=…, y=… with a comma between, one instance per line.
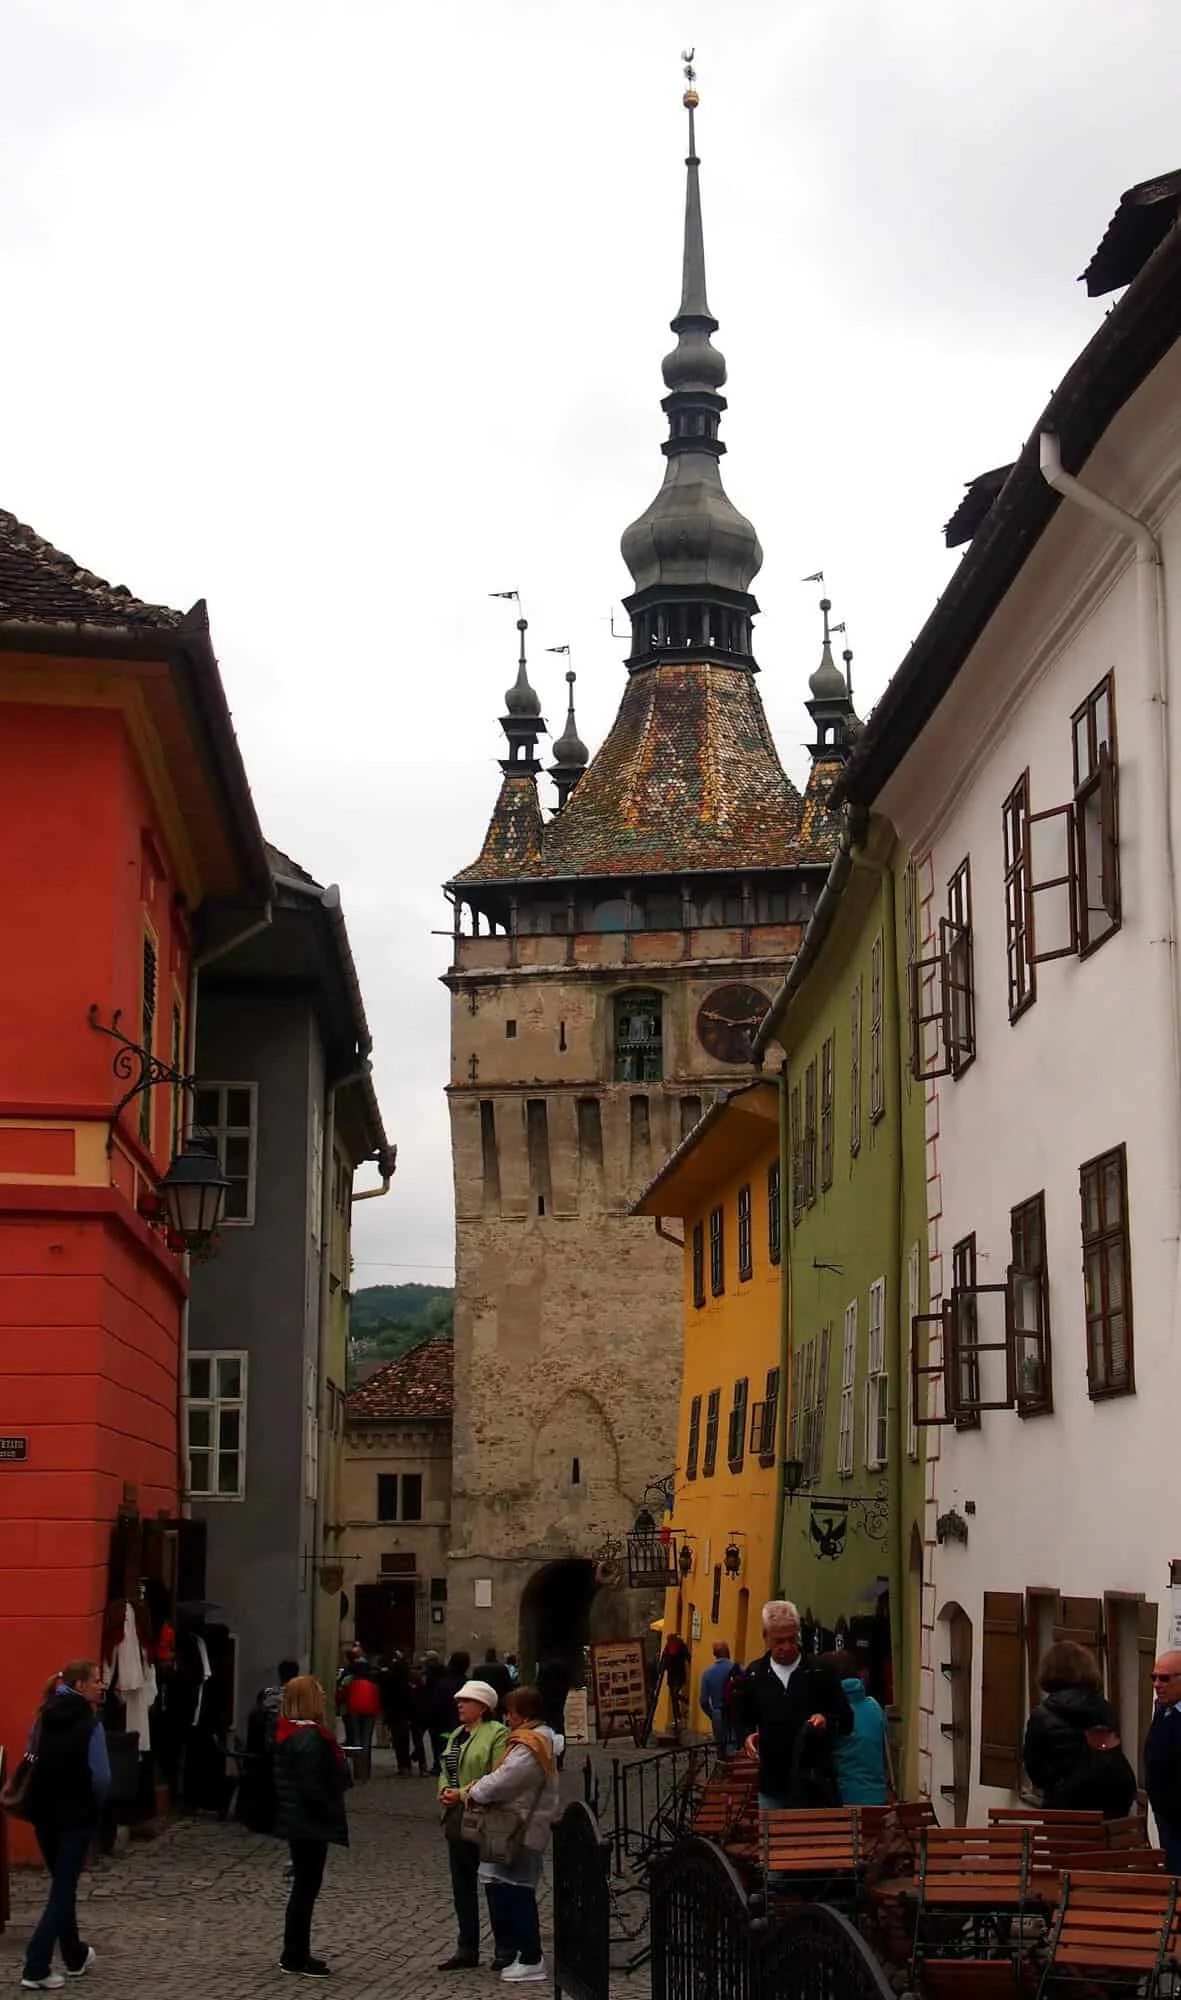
x=576, y=1722
x=620, y=1675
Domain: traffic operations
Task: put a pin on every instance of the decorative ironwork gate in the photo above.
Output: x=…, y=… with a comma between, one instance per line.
x=582, y=1906
x=706, y=1945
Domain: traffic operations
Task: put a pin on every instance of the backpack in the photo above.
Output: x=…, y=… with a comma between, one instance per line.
x=732, y=1691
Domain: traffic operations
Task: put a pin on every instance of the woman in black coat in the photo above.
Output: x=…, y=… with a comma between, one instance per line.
x=311, y=1779
x=1072, y=1749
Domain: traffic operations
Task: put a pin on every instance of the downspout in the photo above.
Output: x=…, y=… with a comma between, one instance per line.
x=786, y=1385
x=327, y=1163
x=897, y=1351
x=1160, y=901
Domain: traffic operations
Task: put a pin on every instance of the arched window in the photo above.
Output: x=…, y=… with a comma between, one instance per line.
x=638, y=1054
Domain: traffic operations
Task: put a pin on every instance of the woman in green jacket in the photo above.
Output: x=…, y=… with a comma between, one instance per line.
x=469, y=1753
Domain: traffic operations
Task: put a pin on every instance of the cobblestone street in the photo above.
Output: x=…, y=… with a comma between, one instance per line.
x=199, y=1912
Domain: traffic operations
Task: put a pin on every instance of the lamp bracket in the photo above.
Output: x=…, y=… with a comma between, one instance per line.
x=134, y=1065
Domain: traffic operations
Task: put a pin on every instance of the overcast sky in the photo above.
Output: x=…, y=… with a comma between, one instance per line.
x=343, y=313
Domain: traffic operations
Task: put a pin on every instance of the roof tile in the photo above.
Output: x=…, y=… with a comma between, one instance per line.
x=41, y=586
x=418, y=1384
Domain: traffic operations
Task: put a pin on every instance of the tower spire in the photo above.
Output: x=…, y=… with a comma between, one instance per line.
x=830, y=704
x=522, y=721
x=692, y=555
x=571, y=755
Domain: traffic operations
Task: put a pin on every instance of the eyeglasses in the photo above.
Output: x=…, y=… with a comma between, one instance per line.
x=1165, y=1677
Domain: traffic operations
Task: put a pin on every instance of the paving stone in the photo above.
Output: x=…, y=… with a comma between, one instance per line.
x=198, y=1913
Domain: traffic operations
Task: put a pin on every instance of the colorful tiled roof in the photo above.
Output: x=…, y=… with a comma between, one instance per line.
x=821, y=827
x=419, y=1384
x=39, y=585
x=513, y=843
x=688, y=779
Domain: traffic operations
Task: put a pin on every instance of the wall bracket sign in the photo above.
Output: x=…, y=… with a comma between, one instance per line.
x=13, y=1450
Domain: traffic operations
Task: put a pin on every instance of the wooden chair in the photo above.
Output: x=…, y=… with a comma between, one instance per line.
x=728, y=1794
x=1054, y=1834
x=1112, y=1933
x=813, y=1854
x=974, y=1892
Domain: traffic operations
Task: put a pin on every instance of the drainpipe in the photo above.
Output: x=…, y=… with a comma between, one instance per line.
x=785, y=1358
x=896, y=1357
x=1160, y=895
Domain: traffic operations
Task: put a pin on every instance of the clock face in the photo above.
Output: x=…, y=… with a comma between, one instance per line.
x=728, y=1019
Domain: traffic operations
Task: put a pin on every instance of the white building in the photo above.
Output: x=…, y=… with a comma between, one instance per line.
x=1029, y=753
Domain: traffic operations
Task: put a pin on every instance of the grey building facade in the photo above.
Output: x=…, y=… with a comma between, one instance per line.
x=282, y=1055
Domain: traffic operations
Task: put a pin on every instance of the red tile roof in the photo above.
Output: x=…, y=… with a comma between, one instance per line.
x=419, y=1384
x=39, y=585
x=688, y=780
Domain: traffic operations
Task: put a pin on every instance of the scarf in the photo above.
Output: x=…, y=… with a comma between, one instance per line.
x=538, y=1745
x=287, y=1729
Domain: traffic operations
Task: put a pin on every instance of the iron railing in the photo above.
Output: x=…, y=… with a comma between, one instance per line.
x=708, y=1939
x=652, y=1801
x=582, y=1905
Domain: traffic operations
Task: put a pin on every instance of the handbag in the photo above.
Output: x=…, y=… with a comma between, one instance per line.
x=501, y=1832
x=14, y=1798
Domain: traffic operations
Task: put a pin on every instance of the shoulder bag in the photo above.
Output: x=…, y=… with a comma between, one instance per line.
x=14, y=1795
x=500, y=1831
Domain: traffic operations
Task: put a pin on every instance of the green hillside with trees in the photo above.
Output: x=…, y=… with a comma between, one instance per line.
x=386, y=1321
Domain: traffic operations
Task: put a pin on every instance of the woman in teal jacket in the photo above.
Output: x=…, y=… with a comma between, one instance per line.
x=860, y=1758
x=469, y=1753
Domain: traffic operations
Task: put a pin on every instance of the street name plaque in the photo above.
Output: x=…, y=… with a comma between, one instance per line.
x=13, y=1450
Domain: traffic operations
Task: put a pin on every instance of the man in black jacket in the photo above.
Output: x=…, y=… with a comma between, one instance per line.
x=1162, y=1757
x=793, y=1709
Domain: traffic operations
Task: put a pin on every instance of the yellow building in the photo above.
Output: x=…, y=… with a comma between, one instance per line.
x=723, y=1183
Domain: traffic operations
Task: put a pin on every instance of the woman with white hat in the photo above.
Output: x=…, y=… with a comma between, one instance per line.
x=468, y=1754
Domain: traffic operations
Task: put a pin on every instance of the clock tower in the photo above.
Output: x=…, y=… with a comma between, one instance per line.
x=611, y=963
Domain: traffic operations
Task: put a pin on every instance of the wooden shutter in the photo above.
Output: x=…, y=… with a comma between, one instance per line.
x=1002, y=1689
x=1146, y=1654
x=1081, y=1619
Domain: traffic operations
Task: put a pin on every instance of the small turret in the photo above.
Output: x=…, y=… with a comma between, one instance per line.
x=570, y=752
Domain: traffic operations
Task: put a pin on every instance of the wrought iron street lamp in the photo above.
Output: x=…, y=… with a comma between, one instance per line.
x=193, y=1191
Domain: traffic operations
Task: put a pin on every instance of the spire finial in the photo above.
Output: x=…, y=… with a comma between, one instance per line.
x=522, y=720
x=690, y=100
x=571, y=755
x=826, y=684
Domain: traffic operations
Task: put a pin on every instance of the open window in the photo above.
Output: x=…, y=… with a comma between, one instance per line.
x=1029, y=1279
x=1051, y=884
x=1096, y=812
x=638, y=1038
x=942, y=1002
x=970, y=1364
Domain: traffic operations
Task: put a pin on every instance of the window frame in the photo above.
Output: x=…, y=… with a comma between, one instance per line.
x=693, y=1438
x=1025, y=1218
x=957, y=953
x=736, y=1434
x=387, y=1482
x=810, y=1135
x=914, y=1280
x=633, y=998
x=713, y=1424
x=746, y=1263
x=766, y=1453
x=877, y=1381
x=717, y=1251
x=220, y=1130
x=697, y=1258
x=1020, y=963
x=215, y=1403
x=796, y=1132
x=855, y=1013
x=149, y=1017
x=775, y=1211
x=964, y=1274
x=1099, y=779
x=877, y=1033
x=1098, y=1242
x=828, y=1067
x=845, y=1448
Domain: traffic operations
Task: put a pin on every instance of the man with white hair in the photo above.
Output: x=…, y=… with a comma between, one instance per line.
x=794, y=1709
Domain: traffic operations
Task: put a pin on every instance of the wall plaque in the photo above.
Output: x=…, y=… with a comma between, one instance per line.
x=13, y=1450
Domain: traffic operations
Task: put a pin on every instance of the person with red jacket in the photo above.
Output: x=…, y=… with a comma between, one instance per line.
x=362, y=1706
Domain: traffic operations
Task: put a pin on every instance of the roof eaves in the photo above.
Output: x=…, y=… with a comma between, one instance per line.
x=1120, y=355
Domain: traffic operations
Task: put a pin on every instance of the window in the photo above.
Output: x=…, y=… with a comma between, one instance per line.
x=810, y=1133
x=699, y=1263
x=796, y=1131
x=966, y=1394
x=438, y=1590
x=877, y=1386
x=147, y=1025
x=1096, y=809
x=713, y=1417
x=910, y=912
x=717, y=1251
x=399, y=1496
x=828, y=1066
x=177, y=1059
x=848, y=1385
x=774, y=1212
x=228, y=1112
x=736, y=1440
x=1019, y=944
x=745, y=1244
x=638, y=1057
x=715, y=1609
x=877, y=1066
x=215, y=1426
x=1107, y=1283
x=575, y=1472
x=855, y=1070
x=510, y=1031
x=763, y=1441
x=316, y=1176
x=941, y=997
x=913, y=1298
x=820, y=1405
x=694, y=1438
x=311, y=1430
x=1031, y=1307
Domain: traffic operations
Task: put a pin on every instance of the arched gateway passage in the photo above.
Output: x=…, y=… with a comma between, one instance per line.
x=556, y=1617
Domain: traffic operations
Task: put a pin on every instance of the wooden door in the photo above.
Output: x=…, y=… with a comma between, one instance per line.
x=959, y=1660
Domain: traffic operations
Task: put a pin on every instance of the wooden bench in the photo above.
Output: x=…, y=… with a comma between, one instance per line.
x=815, y=1854
x=1114, y=1924
x=974, y=1892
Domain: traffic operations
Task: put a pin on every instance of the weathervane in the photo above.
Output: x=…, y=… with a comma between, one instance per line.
x=690, y=100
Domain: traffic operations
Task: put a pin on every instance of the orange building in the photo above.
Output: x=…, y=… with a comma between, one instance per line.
x=129, y=851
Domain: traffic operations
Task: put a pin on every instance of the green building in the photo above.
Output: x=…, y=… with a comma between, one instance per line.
x=854, y=1162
